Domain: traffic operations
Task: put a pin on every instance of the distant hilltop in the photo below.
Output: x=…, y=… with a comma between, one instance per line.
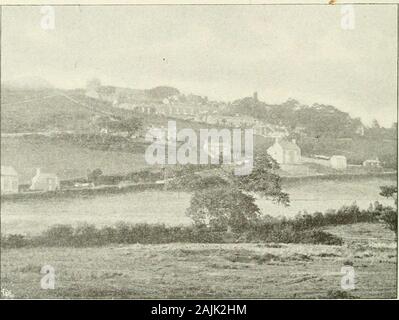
x=27, y=83
x=96, y=90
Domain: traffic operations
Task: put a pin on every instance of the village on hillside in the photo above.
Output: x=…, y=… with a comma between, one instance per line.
x=194, y=110
x=207, y=152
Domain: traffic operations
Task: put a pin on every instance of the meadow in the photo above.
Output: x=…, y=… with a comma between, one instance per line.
x=34, y=216
x=177, y=270
x=65, y=159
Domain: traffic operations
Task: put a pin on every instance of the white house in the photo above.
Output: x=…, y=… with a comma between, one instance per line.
x=285, y=152
x=45, y=182
x=9, y=180
x=338, y=162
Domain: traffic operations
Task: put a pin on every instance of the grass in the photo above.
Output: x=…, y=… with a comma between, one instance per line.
x=65, y=159
x=304, y=228
x=86, y=235
x=34, y=216
x=247, y=270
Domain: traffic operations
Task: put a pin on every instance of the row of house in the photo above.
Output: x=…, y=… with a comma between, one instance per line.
x=167, y=110
x=40, y=182
x=283, y=151
x=242, y=121
x=288, y=152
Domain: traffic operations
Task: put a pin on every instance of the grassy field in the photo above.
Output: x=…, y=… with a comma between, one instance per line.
x=33, y=216
x=211, y=270
x=65, y=159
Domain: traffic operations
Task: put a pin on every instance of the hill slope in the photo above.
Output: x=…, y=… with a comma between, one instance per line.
x=47, y=109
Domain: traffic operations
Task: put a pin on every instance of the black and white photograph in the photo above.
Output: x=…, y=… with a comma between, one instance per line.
x=171, y=151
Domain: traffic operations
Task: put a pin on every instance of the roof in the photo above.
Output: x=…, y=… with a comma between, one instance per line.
x=288, y=145
x=8, y=171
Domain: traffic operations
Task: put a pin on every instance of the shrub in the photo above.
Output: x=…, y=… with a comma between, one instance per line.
x=320, y=237
x=86, y=235
x=347, y=215
x=389, y=216
x=13, y=241
x=339, y=294
x=57, y=235
x=223, y=208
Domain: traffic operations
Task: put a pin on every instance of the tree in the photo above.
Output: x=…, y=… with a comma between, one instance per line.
x=131, y=125
x=389, y=215
x=94, y=175
x=195, y=182
x=390, y=192
x=263, y=180
x=232, y=204
x=162, y=92
x=223, y=208
x=375, y=124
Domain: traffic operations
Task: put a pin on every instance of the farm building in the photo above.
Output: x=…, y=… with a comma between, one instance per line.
x=45, y=181
x=285, y=152
x=372, y=163
x=338, y=162
x=9, y=180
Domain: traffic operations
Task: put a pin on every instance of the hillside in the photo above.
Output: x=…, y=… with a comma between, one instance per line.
x=66, y=159
x=42, y=110
x=321, y=130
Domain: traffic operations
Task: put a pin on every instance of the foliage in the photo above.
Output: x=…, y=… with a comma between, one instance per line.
x=340, y=294
x=227, y=201
x=161, y=92
x=389, y=215
x=132, y=125
x=263, y=180
x=87, y=235
x=196, y=182
x=390, y=192
x=317, y=120
x=304, y=228
x=94, y=175
x=220, y=208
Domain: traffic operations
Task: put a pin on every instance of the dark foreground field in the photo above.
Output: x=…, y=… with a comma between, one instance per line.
x=210, y=270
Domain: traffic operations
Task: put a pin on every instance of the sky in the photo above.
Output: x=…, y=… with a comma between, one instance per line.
x=223, y=52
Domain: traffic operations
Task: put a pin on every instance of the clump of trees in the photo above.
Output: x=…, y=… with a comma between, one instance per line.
x=386, y=214
x=223, y=207
x=318, y=120
x=224, y=201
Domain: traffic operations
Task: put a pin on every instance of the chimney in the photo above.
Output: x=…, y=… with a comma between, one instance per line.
x=38, y=171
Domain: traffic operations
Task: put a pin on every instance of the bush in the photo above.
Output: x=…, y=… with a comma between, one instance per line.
x=247, y=226
x=389, y=216
x=14, y=241
x=223, y=208
x=122, y=233
x=57, y=235
x=339, y=294
x=288, y=234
